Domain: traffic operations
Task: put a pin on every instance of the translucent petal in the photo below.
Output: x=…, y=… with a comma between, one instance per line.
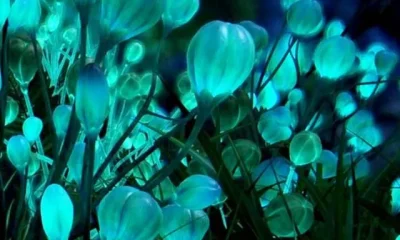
x=32, y=127
x=280, y=222
x=180, y=223
x=197, y=192
x=220, y=58
x=12, y=111
x=345, y=104
x=305, y=18
x=19, y=152
x=179, y=12
x=334, y=57
x=57, y=212
x=305, y=148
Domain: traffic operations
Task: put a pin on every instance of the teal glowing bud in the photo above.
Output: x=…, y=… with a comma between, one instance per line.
x=328, y=160
x=264, y=177
x=32, y=127
x=56, y=212
x=369, y=87
x=334, y=57
x=25, y=15
x=121, y=20
x=305, y=18
x=92, y=99
x=385, y=62
x=4, y=11
x=274, y=125
x=135, y=52
x=179, y=12
x=285, y=78
x=259, y=34
x=75, y=162
x=61, y=116
x=19, y=152
x=130, y=86
x=249, y=154
x=345, y=104
x=180, y=223
x=12, y=111
x=334, y=28
x=395, y=193
x=127, y=213
x=197, y=192
x=182, y=83
x=305, y=148
x=220, y=57
x=281, y=223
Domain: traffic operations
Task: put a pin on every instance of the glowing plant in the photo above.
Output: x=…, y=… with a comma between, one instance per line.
x=178, y=13
x=242, y=150
x=19, y=152
x=127, y=213
x=334, y=57
x=25, y=16
x=32, y=127
x=56, y=212
x=12, y=111
x=197, y=192
x=284, y=225
x=121, y=20
x=305, y=18
x=180, y=223
x=274, y=125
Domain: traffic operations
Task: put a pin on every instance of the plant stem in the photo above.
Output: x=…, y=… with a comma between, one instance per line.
x=87, y=185
x=4, y=79
x=289, y=179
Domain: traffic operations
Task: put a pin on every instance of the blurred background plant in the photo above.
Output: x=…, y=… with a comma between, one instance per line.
x=188, y=119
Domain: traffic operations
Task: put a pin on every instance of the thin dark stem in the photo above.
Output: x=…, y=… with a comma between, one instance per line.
x=87, y=185
x=43, y=88
x=4, y=79
x=132, y=126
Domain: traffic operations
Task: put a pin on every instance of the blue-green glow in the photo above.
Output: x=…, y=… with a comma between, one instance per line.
x=197, y=192
x=259, y=34
x=12, y=111
x=385, y=62
x=264, y=176
x=334, y=57
x=135, y=52
x=127, y=213
x=329, y=164
x=305, y=148
x=75, y=162
x=281, y=223
x=92, y=99
x=4, y=11
x=248, y=152
x=395, y=193
x=269, y=97
x=285, y=78
x=345, y=104
x=32, y=127
x=370, y=87
x=305, y=18
x=180, y=223
x=366, y=139
x=56, y=212
x=334, y=28
x=121, y=20
x=19, y=152
x=287, y=3
x=61, y=116
x=359, y=121
x=179, y=12
x=220, y=58
x=274, y=125
x=25, y=15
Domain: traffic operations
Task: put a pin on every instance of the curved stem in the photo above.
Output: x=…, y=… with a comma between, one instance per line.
x=223, y=217
x=289, y=179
